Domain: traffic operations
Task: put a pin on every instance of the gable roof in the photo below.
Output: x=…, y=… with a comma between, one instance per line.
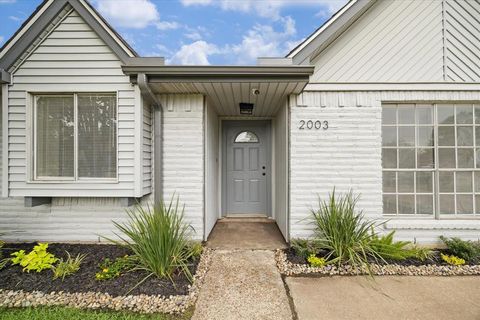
x=44, y=14
x=329, y=31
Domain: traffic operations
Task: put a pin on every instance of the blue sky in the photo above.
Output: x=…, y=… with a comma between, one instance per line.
x=219, y=32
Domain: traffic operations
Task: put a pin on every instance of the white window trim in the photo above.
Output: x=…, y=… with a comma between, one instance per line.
x=33, y=178
x=436, y=216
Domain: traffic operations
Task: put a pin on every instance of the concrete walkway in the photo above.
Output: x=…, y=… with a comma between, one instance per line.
x=243, y=284
x=398, y=298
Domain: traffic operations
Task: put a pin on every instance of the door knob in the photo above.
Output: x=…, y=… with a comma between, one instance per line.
x=263, y=174
x=263, y=167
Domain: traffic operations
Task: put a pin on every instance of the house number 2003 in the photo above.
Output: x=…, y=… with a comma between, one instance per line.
x=313, y=124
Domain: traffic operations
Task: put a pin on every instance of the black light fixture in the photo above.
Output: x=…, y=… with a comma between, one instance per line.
x=246, y=108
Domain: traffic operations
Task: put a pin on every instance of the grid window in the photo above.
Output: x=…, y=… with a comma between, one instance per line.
x=75, y=136
x=430, y=158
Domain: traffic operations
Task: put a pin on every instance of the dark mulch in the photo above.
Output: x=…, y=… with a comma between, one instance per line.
x=12, y=277
x=435, y=260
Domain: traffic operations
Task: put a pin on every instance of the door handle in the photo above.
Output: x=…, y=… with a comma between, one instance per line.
x=263, y=174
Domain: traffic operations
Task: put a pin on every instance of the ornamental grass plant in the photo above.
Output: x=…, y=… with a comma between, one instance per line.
x=159, y=239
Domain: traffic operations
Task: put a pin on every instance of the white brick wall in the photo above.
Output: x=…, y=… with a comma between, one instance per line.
x=348, y=156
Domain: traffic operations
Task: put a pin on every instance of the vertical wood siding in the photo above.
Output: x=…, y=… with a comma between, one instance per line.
x=348, y=154
x=395, y=41
x=183, y=155
x=280, y=160
x=211, y=169
x=72, y=58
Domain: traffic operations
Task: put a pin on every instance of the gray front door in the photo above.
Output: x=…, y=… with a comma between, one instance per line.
x=247, y=167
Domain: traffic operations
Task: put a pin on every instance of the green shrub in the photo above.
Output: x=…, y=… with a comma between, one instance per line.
x=68, y=266
x=195, y=248
x=452, y=260
x=38, y=259
x=343, y=232
x=159, y=239
x=386, y=248
x=3, y=261
x=422, y=253
x=467, y=250
x=316, y=261
x=304, y=248
x=113, y=269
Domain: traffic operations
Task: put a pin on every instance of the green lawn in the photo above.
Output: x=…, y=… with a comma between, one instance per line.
x=60, y=313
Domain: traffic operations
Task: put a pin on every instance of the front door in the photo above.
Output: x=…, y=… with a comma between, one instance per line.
x=247, y=167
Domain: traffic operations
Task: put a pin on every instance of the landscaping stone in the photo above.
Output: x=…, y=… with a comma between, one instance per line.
x=97, y=300
x=288, y=268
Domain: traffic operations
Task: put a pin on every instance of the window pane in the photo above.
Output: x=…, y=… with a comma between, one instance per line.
x=389, y=204
x=464, y=204
x=445, y=114
x=446, y=181
x=424, y=182
x=464, y=181
x=97, y=138
x=477, y=181
x=389, y=182
x=424, y=114
x=425, y=158
x=406, y=158
x=246, y=137
x=447, y=204
x=389, y=136
x=406, y=136
x=446, y=136
x=406, y=204
x=389, y=158
x=446, y=158
x=425, y=136
x=406, y=182
x=477, y=204
x=464, y=113
x=477, y=136
x=406, y=114
x=389, y=115
x=424, y=204
x=477, y=113
x=465, y=158
x=464, y=136
x=55, y=137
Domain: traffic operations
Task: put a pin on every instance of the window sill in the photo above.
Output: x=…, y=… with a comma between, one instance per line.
x=90, y=181
x=424, y=224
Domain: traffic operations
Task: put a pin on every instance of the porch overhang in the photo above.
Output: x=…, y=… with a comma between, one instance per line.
x=225, y=87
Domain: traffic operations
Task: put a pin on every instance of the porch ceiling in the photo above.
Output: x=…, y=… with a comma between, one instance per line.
x=226, y=87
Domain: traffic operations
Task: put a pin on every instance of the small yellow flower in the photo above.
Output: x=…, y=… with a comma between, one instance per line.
x=105, y=270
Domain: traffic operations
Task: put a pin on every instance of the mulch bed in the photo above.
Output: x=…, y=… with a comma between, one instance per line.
x=13, y=278
x=434, y=260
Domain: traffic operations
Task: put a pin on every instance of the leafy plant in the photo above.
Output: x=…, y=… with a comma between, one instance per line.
x=452, y=260
x=38, y=259
x=343, y=232
x=467, y=250
x=422, y=253
x=159, y=239
x=387, y=248
x=113, y=269
x=195, y=248
x=3, y=261
x=304, y=248
x=68, y=266
x=316, y=261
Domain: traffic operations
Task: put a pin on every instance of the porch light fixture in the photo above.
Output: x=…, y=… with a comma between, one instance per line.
x=246, y=108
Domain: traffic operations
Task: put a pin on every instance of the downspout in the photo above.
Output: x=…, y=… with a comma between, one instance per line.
x=151, y=98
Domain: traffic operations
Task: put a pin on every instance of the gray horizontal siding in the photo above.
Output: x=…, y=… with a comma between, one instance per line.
x=72, y=58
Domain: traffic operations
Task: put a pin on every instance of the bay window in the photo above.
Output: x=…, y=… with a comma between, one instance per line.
x=431, y=159
x=75, y=136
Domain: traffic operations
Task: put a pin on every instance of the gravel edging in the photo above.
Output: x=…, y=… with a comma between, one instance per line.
x=98, y=300
x=291, y=269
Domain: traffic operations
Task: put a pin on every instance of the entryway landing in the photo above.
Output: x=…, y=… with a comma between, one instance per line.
x=247, y=234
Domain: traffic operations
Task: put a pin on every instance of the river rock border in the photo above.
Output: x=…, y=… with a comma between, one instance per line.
x=98, y=300
x=291, y=269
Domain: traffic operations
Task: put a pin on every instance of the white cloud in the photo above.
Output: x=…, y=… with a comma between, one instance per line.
x=196, y=53
x=7, y=1
x=14, y=18
x=1, y=39
x=266, y=8
x=167, y=25
x=135, y=14
x=264, y=40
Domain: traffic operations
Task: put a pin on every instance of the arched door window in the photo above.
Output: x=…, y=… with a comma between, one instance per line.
x=246, y=137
